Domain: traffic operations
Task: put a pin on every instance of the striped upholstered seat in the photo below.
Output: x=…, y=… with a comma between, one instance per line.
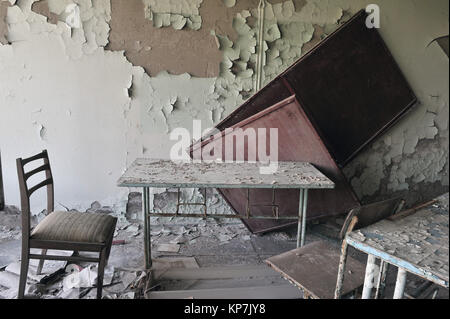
x=75, y=227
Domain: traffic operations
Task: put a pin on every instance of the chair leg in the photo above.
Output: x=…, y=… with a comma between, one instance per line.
x=41, y=263
x=101, y=272
x=23, y=273
x=341, y=271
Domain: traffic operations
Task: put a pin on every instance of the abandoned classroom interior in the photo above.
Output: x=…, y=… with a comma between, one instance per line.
x=224, y=149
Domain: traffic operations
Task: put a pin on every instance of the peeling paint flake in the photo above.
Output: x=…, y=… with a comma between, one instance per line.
x=193, y=52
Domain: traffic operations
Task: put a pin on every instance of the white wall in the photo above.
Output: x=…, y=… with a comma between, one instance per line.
x=61, y=90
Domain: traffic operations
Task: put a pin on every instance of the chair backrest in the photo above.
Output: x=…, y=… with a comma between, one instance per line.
x=370, y=214
x=26, y=192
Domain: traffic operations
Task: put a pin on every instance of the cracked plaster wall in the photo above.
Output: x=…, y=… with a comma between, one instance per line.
x=101, y=95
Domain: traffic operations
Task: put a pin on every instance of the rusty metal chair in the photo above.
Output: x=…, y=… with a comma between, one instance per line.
x=73, y=231
x=319, y=269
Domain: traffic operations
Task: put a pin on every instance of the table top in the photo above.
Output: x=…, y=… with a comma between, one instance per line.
x=168, y=174
x=417, y=243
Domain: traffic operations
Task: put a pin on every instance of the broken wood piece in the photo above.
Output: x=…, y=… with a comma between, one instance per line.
x=411, y=211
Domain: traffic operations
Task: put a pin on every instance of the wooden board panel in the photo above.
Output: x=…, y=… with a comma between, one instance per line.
x=2, y=194
x=351, y=90
x=314, y=268
x=417, y=243
x=297, y=141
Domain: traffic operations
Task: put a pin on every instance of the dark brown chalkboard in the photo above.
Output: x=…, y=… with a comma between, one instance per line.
x=350, y=89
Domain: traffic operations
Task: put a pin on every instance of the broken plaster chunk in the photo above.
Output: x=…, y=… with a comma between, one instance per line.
x=168, y=248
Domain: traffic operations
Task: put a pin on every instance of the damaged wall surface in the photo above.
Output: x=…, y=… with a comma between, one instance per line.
x=99, y=83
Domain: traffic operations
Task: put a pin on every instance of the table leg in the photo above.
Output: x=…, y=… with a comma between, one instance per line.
x=147, y=236
x=369, y=279
x=381, y=284
x=300, y=218
x=400, y=284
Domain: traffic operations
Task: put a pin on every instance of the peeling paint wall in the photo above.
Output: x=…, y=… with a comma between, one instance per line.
x=100, y=94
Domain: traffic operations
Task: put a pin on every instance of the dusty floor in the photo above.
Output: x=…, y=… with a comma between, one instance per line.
x=216, y=247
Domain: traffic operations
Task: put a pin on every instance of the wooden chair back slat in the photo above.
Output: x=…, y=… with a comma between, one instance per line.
x=41, y=155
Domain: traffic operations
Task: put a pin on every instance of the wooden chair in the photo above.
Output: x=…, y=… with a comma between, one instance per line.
x=319, y=269
x=60, y=230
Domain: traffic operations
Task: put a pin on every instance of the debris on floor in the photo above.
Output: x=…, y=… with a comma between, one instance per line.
x=213, y=259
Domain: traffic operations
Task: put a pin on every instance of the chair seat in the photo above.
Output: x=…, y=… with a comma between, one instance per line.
x=75, y=227
x=314, y=268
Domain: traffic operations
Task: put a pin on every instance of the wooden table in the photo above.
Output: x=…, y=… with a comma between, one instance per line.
x=148, y=173
x=417, y=244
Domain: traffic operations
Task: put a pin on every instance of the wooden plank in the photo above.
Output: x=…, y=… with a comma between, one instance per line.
x=146, y=172
x=232, y=272
x=270, y=292
x=314, y=268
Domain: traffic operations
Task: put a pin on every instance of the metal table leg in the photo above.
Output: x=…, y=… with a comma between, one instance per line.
x=305, y=207
x=147, y=236
x=302, y=207
x=300, y=218
x=400, y=284
x=370, y=277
